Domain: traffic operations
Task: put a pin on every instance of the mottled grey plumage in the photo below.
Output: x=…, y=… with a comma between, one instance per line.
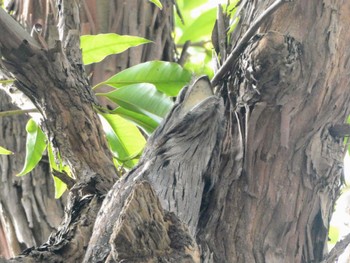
x=178, y=162
x=180, y=150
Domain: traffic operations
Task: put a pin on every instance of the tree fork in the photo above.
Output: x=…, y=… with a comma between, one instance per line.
x=54, y=84
x=55, y=81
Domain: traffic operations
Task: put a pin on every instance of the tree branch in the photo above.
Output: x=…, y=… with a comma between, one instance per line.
x=337, y=250
x=64, y=178
x=56, y=83
x=15, y=34
x=69, y=29
x=16, y=112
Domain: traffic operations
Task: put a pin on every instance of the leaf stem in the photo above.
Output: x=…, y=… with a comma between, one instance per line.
x=16, y=112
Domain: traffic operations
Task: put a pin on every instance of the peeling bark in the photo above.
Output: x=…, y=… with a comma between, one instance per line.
x=286, y=94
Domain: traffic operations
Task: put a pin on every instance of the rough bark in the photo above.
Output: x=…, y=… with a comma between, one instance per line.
x=146, y=21
x=147, y=12
x=29, y=212
x=252, y=171
x=274, y=204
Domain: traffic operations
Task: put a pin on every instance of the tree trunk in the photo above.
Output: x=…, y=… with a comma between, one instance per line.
x=29, y=212
x=249, y=173
x=94, y=21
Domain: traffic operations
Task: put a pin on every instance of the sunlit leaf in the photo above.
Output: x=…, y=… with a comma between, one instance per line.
x=185, y=8
x=52, y=162
x=145, y=123
x=190, y=5
x=157, y=3
x=141, y=98
x=96, y=47
x=195, y=66
x=125, y=140
x=200, y=28
x=5, y=151
x=168, y=77
x=333, y=235
x=7, y=81
x=60, y=187
x=35, y=147
x=231, y=11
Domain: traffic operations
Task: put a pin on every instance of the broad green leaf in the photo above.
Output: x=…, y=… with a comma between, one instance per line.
x=200, y=28
x=199, y=62
x=96, y=47
x=186, y=8
x=5, y=151
x=145, y=123
x=60, y=187
x=141, y=98
x=168, y=77
x=333, y=235
x=190, y=5
x=124, y=138
x=157, y=3
x=35, y=147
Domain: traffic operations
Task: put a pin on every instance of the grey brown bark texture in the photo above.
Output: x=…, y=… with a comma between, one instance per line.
x=248, y=174
x=94, y=20
x=29, y=212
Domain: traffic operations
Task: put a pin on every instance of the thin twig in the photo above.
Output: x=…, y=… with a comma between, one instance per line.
x=184, y=54
x=16, y=112
x=7, y=81
x=244, y=41
x=337, y=250
x=64, y=177
x=194, y=44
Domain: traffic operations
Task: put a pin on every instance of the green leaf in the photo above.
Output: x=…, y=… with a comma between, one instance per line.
x=333, y=235
x=141, y=98
x=60, y=187
x=124, y=138
x=145, y=123
x=52, y=162
x=157, y=3
x=96, y=47
x=35, y=147
x=199, y=62
x=190, y=5
x=168, y=77
x=200, y=28
x=231, y=11
x=5, y=151
x=7, y=81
